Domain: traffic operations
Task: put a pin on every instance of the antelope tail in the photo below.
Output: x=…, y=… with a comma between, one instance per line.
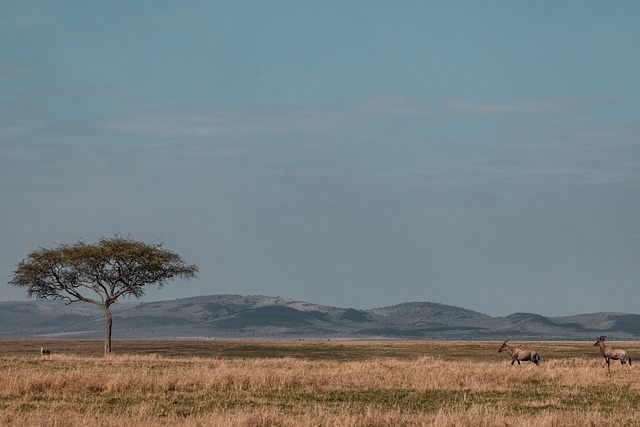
x=629, y=360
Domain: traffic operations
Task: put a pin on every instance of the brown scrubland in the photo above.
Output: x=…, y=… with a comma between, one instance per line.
x=311, y=383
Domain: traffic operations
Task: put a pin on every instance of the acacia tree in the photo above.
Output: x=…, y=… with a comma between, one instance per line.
x=100, y=274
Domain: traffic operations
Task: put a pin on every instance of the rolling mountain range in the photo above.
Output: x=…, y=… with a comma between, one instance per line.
x=255, y=316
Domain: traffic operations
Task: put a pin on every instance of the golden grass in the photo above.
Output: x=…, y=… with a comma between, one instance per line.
x=338, y=384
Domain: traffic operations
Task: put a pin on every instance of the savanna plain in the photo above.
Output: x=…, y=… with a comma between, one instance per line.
x=313, y=383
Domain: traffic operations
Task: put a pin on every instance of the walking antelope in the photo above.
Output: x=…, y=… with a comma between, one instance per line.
x=518, y=354
x=44, y=351
x=611, y=353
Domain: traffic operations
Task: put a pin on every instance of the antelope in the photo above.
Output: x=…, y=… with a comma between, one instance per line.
x=611, y=353
x=44, y=351
x=518, y=354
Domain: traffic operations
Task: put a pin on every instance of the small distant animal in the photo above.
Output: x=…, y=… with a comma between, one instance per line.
x=44, y=351
x=518, y=354
x=611, y=353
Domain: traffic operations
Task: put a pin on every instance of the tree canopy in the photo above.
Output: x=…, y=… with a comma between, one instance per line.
x=100, y=273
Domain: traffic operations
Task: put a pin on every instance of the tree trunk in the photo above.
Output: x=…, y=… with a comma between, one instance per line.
x=107, y=332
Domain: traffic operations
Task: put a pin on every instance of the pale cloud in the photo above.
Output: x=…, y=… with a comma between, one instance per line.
x=182, y=21
x=232, y=123
x=518, y=105
x=394, y=104
x=17, y=108
x=11, y=70
x=251, y=122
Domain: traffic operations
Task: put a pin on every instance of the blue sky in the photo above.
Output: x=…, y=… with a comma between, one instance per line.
x=360, y=154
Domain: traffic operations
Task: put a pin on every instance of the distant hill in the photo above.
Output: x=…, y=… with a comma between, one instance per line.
x=256, y=316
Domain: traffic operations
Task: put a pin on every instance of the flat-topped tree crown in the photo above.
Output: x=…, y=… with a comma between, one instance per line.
x=100, y=273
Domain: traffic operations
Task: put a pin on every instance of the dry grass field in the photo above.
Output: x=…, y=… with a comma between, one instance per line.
x=312, y=383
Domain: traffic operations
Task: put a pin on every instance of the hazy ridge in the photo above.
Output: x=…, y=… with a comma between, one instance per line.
x=257, y=316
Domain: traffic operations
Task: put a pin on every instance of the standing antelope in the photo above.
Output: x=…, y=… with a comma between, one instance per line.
x=518, y=354
x=44, y=351
x=611, y=353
